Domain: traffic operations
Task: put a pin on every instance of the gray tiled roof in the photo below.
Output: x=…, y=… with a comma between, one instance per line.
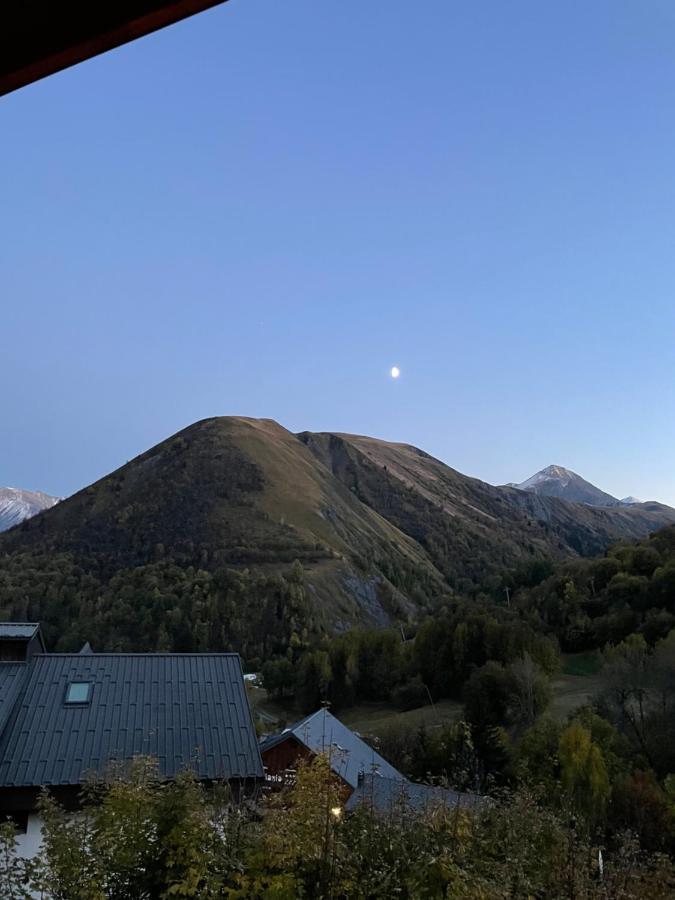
x=12, y=676
x=183, y=709
x=23, y=630
x=350, y=756
x=387, y=796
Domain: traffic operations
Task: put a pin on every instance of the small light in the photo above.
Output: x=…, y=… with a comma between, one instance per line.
x=336, y=811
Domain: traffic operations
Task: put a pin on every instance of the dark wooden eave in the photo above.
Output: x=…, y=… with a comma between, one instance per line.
x=40, y=37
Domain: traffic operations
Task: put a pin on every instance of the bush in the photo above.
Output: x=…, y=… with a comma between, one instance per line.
x=139, y=839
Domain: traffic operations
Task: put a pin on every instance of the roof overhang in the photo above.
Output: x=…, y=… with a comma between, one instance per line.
x=40, y=37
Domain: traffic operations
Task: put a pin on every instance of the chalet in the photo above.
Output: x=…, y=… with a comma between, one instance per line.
x=67, y=716
x=350, y=757
x=367, y=777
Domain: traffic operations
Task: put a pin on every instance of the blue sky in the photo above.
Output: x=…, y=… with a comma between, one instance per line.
x=260, y=210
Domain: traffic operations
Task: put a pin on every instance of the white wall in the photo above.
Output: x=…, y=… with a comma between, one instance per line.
x=28, y=844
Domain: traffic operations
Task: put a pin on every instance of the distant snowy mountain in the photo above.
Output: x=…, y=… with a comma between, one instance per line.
x=556, y=481
x=17, y=505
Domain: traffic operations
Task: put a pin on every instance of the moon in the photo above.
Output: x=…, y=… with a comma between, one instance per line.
x=395, y=372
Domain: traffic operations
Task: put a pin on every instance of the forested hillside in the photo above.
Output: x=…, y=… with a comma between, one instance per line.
x=590, y=603
x=538, y=611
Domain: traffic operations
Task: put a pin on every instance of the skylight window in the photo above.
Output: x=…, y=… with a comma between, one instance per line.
x=78, y=692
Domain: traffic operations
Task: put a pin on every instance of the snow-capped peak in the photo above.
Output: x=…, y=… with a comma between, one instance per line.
x=557, y=481
x=16, y=505
x=551, y=473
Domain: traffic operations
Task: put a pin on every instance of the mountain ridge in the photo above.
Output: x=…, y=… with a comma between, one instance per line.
x=381, y=531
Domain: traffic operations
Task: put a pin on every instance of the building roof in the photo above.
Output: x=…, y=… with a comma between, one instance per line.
x=21, y=631
x=12, y=676
x=39, y=37
x=387, y=796
x=349, y=756
x=185, y=710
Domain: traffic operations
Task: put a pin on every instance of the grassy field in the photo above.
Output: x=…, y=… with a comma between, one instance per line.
x=376, y=718
x=373, y=718
x=582, y=663
x=576, y=685
x=571, y=692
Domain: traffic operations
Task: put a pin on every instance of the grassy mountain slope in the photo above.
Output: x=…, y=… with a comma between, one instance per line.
x=232, y=492
x=469, y=528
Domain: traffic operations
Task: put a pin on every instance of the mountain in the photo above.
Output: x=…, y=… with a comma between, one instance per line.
x=17, y=505
x=197, y=537
x=468, y=528
x=241, y=493
x=556, y=481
